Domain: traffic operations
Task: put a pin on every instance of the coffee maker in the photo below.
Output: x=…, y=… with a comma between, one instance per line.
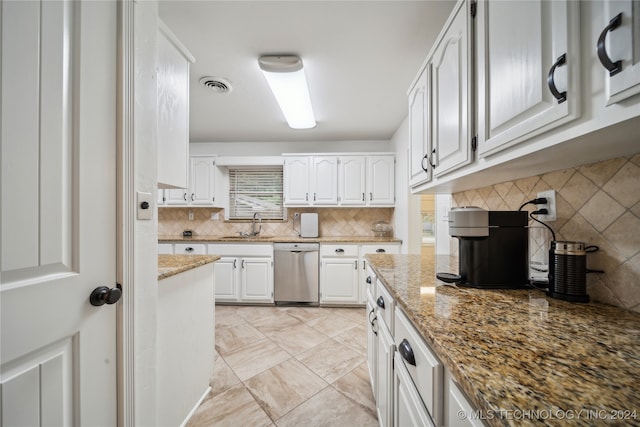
x=493, y=248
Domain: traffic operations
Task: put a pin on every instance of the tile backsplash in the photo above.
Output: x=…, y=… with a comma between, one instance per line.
x=332, y=222
x=598, y=204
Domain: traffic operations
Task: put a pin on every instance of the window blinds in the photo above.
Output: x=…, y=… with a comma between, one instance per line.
x=254, y=190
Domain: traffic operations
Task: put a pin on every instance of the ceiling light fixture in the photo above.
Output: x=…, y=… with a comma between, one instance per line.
x=287, y=81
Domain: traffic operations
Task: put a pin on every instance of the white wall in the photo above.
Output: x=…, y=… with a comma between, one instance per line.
x=277, y=148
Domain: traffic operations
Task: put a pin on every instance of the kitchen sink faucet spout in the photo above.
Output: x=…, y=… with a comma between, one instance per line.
x=257, y=216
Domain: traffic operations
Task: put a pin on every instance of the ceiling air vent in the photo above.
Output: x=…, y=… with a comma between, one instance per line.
x=216, y=84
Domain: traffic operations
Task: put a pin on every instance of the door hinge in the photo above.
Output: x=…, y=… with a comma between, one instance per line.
x=474, y=8
x=474, y=143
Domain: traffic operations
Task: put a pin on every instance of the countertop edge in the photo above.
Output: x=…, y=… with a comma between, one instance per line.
x=171, y=265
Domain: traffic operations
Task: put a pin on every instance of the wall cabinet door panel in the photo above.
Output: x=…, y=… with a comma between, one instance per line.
x=381, y=187
x=352, y=180
x=420, y=129
x=296, y=180
x=324, y=180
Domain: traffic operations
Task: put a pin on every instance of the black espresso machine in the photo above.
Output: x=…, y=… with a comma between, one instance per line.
x=493, y=248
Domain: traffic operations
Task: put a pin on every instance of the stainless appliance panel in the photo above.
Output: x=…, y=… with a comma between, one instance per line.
x=296, y=272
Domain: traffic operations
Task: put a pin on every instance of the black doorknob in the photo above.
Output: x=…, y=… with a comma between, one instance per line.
x=144, y=205
x=103, y=295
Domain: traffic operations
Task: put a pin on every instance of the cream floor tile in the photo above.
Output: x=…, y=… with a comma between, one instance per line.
x=331, y=360
x=280, y=389
x=354, y=338
x=253, y=313
x=227, y=315
x=329, y=408
x=354, y=314
x=357, y=386
x=275, y=322
x=223, y=377
x=305, y=314
x=235, y=337
x=333, y=325
x=298, y=338
x=255, y=358
x=234, y=407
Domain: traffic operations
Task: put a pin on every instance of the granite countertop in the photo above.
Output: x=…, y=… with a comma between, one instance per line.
x=170, y=265
x=280, y=239
x=519, y=350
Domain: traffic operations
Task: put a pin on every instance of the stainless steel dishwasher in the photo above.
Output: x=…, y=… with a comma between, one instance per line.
x=296, y=272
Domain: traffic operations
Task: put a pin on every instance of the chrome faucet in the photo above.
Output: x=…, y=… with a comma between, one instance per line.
x=257, y=216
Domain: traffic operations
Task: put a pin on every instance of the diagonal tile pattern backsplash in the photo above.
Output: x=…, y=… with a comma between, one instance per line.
x=598, y=204
x=332, y=222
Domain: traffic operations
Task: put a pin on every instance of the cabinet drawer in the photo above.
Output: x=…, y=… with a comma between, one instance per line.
x=425, y=370
x=385, y=305
x=190, y=249
x=165, y=248
x=339, y=250
x=384, y=248
x=371, y=280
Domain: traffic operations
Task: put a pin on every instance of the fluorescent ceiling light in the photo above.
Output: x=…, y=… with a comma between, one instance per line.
x=287, y=81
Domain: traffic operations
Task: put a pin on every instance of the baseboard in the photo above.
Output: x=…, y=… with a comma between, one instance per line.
x=193, y=410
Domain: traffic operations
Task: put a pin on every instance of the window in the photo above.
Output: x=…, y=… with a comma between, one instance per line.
x=254, y=190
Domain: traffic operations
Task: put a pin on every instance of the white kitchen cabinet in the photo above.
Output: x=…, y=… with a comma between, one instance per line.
x=372, y=333
x=202, y=180
x=176, y=196
x=408, y=409
x=420, y=144
x=256, y=276
x=352, y=184
x=339, y=274
x=386, y=348
x=365, y=273
x=528, y=65
x=451, y=91
x=339, y=180
x=173, y=109
x=190, y=249
x=324, y=180
x=618, y=48
x=244, y=272
x=458, y=411
x=381, y=186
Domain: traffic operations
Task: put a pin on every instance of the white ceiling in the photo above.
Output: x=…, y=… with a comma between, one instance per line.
x=360, y=58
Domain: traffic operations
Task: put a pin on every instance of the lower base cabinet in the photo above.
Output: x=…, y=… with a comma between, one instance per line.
x=408, y=409
x=384, y=402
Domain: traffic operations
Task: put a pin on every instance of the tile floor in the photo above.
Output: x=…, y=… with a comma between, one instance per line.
x=289, y=366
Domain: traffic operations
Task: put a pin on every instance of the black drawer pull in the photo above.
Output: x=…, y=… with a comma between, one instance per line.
x=380, y=302
x=613, y=67
x=339, y=250
x=380, y=251
x=406, y=352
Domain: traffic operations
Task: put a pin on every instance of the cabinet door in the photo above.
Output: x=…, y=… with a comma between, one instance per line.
x=351, y=180
x=296, y=180
x=257, y=279
x=225, y=273
x=384, y=403
x=175, y=196
x=381, y=185
x=457, y=404
x=408, y=409
x=173, y=110
x=420, y=129
x=622, y=43
x=324, y=180
x=451, y=86
x=339, y=280
x=202, y=180
x=372, y=346
x=521, y=45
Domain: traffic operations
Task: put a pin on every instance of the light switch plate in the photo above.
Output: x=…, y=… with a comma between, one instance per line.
x=145, y=199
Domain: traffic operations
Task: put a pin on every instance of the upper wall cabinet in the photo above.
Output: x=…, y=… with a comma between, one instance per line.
x=339, y=180
x=618, y=49
x=420, y=145
x=528, y=69
x=173, y=109
x=202, y=184
x=451, y=62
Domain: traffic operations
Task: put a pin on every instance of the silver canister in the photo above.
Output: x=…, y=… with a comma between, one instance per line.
x=568, y=271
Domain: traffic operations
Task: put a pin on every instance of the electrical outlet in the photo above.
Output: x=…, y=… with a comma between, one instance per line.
x=190, y=215
x=550, y=206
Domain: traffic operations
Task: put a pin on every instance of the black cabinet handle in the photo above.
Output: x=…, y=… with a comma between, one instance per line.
x=559, y=96
x=368, y=279
x=235, y=263
x=189, y=249
x=339, y=250
x=356, y=265
x=613, y=67
x=363, y=197
x=426, y=157
x=380, y=302
x=184, y=196
x=242, y=263
x=370, y=196
x=380, y=251
x=406, y=352
x=430, y=158
x=192, y=194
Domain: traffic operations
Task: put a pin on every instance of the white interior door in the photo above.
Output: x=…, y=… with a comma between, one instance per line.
x=58, y=213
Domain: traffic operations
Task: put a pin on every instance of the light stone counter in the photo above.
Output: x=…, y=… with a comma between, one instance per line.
x=519, y=350
x=280, y=239
x=170, y=265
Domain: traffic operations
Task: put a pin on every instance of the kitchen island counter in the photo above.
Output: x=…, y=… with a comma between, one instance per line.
x=521, y=357
x=170, y=265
